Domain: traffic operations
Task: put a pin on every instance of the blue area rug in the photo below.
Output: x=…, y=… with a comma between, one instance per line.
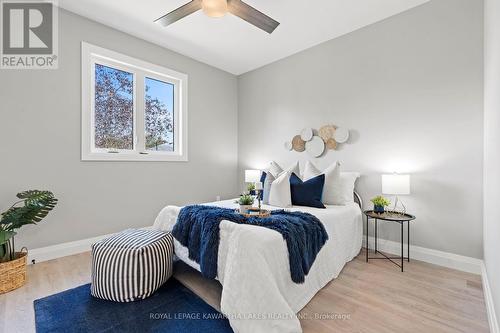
x=173, y=308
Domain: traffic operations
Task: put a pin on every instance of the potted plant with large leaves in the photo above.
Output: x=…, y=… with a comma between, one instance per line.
x=31, y=208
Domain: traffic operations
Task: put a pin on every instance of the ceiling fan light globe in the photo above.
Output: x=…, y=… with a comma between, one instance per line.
x=214, y=8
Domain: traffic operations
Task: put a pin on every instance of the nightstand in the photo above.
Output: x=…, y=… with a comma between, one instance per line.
x=392, y=217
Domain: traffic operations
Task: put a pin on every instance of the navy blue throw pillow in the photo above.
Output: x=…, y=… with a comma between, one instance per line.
x=307, y=193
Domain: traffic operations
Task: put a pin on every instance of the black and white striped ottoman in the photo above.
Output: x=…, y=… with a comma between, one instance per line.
x=131, y=265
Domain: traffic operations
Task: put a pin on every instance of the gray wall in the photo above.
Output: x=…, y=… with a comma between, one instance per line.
x=491, y=144
x=410, y=89
x=40, y=136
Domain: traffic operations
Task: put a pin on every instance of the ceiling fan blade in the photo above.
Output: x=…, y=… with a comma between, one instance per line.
x=179, y=13
x=252, y=15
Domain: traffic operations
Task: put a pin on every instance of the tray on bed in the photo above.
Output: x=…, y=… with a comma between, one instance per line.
x=256, y=213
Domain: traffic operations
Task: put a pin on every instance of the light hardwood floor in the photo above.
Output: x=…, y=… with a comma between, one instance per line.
x=373, y=297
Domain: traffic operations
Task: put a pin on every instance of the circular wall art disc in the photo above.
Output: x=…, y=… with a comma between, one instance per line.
x=306, y=134
x=326, y=132
x=341, y=135
x=331, y=144
x=288, y=145
x=298, y=144
x=315, y=147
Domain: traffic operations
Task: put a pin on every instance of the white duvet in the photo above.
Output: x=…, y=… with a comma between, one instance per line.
x=258, y=294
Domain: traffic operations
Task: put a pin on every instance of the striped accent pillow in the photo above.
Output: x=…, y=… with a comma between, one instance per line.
x=131, y=265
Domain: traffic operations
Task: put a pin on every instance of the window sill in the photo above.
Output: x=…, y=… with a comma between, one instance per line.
x=135, y=157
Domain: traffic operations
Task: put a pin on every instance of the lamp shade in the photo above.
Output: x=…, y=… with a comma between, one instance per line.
x=252, y=176
x=396, y=184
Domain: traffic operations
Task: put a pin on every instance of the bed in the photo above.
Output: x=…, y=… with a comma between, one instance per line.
x=258, y=294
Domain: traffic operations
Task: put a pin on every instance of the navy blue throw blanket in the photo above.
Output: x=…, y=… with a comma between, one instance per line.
x=197, y=228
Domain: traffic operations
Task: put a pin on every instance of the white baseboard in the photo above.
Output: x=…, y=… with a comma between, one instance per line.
x=488, y=299
x=63, y=249
x=446, y=259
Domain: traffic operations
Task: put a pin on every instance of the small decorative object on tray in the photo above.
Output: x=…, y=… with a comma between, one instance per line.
x=255, y=212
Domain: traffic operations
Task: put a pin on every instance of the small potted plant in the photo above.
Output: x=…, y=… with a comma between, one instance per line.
x=379, y=204
x=245, y=201
x=251, y=188
x=32, y=207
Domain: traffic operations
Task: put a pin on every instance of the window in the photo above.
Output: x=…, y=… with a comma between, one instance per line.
x=159, y=116
x=131, y=110
x=113, y=108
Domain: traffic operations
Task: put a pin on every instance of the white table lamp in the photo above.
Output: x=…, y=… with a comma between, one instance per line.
x=252, y=176
x=396, y=184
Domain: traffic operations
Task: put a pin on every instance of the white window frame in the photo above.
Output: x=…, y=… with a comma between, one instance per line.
x=91, y=55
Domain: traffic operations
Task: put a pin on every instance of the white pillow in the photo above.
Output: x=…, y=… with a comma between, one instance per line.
x=343, y=192
x=280, y=195
x=276, y=170
x=310, y=171
x=339, y=186
x=267, y=187
x=294, y=168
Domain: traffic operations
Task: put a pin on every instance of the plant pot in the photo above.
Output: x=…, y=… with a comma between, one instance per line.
x=378, y=209
x=244, y=209
x=13, y=273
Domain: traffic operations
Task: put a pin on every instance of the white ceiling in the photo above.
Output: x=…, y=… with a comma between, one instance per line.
x=232, y=44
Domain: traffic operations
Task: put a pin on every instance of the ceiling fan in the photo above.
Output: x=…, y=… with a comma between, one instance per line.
x=219, y=8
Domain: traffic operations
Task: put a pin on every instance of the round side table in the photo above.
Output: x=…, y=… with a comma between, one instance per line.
x=392, y=217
